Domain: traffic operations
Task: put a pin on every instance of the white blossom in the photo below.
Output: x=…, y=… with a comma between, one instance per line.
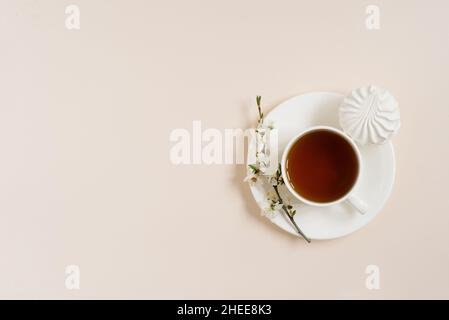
x=273, y=180
x=252, y=178
x=268, y=213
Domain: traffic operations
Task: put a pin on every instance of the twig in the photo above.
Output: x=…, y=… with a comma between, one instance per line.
x=292, y=220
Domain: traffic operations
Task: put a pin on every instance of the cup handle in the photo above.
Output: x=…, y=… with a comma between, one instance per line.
x=358, y=204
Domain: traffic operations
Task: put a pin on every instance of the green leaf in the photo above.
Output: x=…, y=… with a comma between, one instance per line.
x=253, y=168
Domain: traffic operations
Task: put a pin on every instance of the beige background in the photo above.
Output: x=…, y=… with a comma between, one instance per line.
x=85, y=176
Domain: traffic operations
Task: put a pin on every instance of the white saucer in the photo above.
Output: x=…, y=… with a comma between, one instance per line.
x=321, y=108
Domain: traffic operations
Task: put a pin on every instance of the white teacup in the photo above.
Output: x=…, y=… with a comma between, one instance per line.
x=357, y=203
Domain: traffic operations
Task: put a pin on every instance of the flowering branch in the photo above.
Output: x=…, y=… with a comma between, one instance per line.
x=276, y=180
